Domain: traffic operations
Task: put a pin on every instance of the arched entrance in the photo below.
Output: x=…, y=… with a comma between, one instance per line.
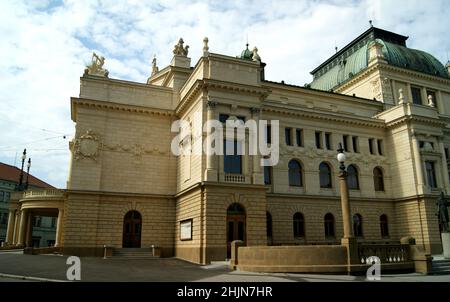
x=236, y=225
x=132, y=225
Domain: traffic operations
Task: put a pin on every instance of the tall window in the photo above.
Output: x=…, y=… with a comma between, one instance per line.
x=299, y=225
x=3, y=218
x=378, y=180
x=37, y=221
x=384, y=228
x=232, y=158
x=287, y=136
x=431, y=174
x=355, y=142
x=357, y=225
x=380, y=146
x=328, y=141
x=2, y=196
x=416, y=95
x=325, y=175
x=268, y=134
x=299, y=137
x=269, y=224
x=352, y=178
x=295, y=174
x=371, y=145
x=267, y=175
x=318, y=140
x=329, y=225
x=345, y=142
x=446, y=154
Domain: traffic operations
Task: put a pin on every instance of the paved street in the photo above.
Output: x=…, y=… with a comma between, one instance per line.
x=13, y=266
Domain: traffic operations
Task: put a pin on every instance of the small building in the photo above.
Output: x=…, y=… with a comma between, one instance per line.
x=44, y=228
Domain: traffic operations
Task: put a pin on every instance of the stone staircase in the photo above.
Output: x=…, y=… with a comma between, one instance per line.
x=440, y=266
x=133, y=253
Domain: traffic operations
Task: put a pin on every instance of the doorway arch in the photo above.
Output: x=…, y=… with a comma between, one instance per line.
x=236, y=225
x=132, y=227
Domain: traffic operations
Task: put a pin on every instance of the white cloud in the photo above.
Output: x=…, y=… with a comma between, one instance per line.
x=45, y=45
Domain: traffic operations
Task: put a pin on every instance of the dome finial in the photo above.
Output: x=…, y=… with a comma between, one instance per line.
x=371, y=23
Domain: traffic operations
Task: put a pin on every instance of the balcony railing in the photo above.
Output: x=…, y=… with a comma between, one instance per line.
x=43, y=193
x=388, y=253
x=239, y=178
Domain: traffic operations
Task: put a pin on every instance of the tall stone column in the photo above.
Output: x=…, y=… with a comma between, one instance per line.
x=22, y=228
x=10, y=229
x=445, y=171
x=16, y=226
x=29, y=230
x=258, y=177
x=345, y=205
x=59, y=226
x=211, y=166
x=418, y=165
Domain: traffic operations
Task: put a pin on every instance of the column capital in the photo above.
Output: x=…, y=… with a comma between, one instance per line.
x=255, y=110
x=210, y=105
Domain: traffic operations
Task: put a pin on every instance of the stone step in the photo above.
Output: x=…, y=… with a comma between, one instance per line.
x=133, y=253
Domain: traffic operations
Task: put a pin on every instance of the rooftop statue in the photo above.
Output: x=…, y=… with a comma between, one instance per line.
x=442, y=213
x=96, y=66
x=155, y=68
x=179, y=50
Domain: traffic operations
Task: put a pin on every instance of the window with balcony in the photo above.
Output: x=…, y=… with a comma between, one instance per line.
x=232, y=159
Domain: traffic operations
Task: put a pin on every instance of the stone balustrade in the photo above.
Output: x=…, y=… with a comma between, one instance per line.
x=237, y=178
x=388, y=253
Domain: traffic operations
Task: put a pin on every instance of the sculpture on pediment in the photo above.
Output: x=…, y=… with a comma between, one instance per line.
x=255, y=56
x=155, y=68
x=96, y=66
x=180, y=50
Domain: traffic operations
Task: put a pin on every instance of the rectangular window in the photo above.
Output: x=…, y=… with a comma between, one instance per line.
x=37, y=221
x=7, y=196
x=3, y=218
x=431, y=174
x=380, y=146
x=267, y=175
x=355, y=141
x=345, y=142
x=299, y=137
x=287, y=136
x=232, y=159
x=446, y=153
x=371, y=145
x=416, y=95
x=318, y=140
x=328, y=141
x=2, y=196
x=53, y=225
x=269, y=134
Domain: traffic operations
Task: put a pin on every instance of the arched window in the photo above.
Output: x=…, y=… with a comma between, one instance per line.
x=299, y=225
x=295, y=174
x=384, y=226
x=269, y=224
x=325, y=175
x=357, y=225
x=352, y=178
x=329, y=225
x=378, y=179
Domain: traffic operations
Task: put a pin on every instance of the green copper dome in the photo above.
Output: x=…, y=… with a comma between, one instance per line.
x=246, y=54
x=355, y=58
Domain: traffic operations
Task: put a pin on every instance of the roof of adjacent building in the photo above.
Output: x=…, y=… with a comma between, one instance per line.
x=353, y=59
x=12, y=173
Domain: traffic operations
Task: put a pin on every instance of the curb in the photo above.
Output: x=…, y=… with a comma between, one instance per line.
x=30, y=278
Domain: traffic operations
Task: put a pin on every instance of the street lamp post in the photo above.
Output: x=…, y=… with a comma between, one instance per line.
x=345, y=203
x=28, y=173
x=24, y=156
x=349, y=241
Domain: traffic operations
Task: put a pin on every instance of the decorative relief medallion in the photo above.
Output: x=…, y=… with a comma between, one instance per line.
x=87, y=146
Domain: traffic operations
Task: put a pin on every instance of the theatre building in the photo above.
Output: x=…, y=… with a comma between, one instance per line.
x=388, y=104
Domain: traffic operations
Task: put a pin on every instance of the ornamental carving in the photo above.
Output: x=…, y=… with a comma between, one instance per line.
x=86, y=146
x=96, y=66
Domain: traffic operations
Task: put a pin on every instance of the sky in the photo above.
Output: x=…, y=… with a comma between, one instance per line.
x=45, y=46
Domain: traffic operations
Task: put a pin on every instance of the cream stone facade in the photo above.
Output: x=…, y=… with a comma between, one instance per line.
x=122, y=161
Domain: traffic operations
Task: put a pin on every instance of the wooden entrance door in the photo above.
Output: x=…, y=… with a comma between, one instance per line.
x=132, y=226
x=236, y=226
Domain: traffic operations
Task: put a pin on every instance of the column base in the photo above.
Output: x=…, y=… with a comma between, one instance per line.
x=446, y=245
x=211, y=175
x=352, y=250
